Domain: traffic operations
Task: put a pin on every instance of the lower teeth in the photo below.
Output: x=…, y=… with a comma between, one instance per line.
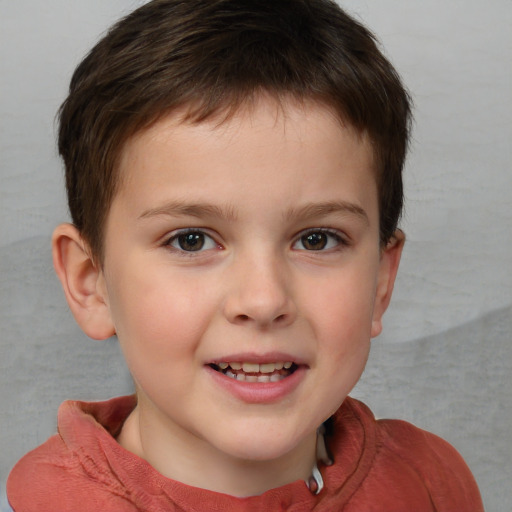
x=275, y=377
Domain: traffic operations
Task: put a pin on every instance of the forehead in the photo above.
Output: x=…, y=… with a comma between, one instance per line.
x=298, y=117
x=281, y=143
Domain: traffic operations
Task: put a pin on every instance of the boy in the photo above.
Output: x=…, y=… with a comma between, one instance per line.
x=233, y=170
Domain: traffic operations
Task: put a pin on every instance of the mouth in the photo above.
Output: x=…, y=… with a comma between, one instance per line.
x=255, y=372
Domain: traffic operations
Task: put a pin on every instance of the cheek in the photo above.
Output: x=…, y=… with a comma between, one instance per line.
x=157, y=315
x=341, y=306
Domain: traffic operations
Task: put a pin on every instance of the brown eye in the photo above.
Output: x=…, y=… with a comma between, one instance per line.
x=191, y=241
x=314, y=241
x=319, y=240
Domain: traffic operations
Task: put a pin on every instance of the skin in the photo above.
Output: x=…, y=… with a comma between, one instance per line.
x=252, y=188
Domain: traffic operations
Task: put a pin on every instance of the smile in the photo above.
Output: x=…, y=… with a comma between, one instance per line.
x=254, y=372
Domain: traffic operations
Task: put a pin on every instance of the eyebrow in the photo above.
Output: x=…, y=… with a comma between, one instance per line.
x=308, y=211
x=180, y=208
x=314, y=210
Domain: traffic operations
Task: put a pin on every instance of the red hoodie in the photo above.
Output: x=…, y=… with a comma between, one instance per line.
x=384, y=465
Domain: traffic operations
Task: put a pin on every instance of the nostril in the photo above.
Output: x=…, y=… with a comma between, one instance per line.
x=245, y=318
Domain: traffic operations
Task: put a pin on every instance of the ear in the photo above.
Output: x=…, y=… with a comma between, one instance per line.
x=388, y=268
x=83, y=282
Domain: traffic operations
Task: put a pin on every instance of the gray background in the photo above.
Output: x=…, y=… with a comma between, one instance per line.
x=444, y=360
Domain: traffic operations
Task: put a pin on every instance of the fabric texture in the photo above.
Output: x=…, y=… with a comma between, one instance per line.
x=384, y=465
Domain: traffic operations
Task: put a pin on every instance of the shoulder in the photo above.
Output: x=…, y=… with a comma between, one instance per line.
x=64, y=473
x=430, y=455
x=48, y=480
x=406, y=452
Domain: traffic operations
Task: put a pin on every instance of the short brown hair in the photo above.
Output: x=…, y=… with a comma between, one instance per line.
x=213, y=55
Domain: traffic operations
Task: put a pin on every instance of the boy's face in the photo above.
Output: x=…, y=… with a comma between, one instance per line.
x=254, y=241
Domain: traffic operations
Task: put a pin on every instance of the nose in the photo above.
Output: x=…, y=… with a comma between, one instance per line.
x=260, y=294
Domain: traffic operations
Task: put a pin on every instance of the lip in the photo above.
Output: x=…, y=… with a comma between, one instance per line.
x=258, y=392
x=269, y=357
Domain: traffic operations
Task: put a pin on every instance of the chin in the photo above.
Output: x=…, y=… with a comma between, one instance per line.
x=259, y=444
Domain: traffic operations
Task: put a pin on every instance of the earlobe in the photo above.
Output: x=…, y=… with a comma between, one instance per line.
x=388, y=268
x=82, y=281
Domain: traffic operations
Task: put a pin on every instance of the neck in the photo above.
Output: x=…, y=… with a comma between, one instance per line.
x=193, y=461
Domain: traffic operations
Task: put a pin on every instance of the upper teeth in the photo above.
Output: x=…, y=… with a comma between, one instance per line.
x=255, y=367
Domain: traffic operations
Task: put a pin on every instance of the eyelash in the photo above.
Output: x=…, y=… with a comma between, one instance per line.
x=207, y=239
x=332, y=235
x=339, y=239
